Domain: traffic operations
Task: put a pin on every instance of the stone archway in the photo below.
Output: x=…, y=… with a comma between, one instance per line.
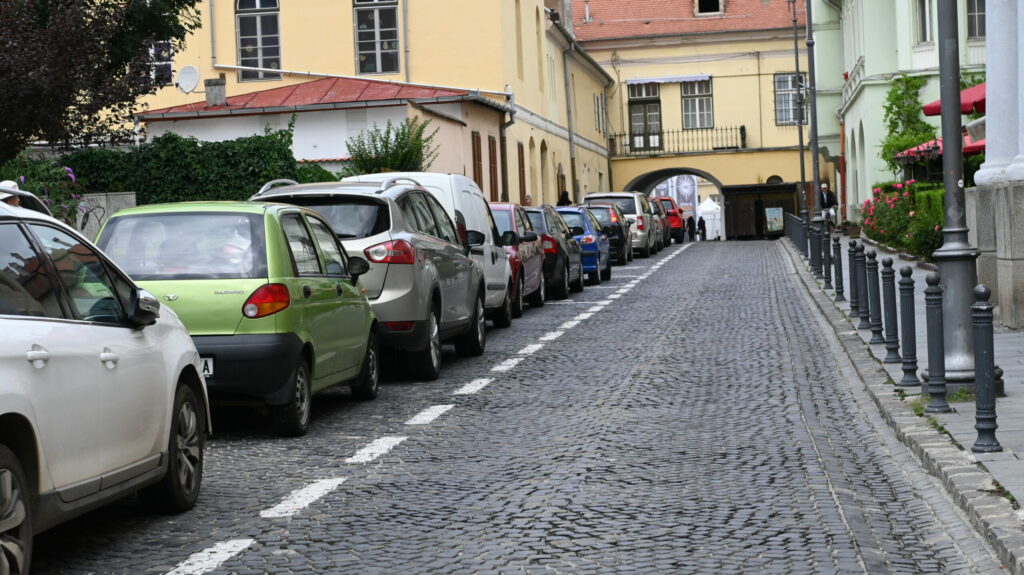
x=646, y=182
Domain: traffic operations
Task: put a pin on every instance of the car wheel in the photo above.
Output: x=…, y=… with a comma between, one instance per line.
x=179, y=488
x=367, y=384
x=15, y=515
x=645, y=252
x=536, y=299
x=502, y=317
x=292, y=419
x=606, y=273
x=517, y=302
x=474, y=341
x=426, y=363
x=561, y=290
x=594, y=277
x=577, y=285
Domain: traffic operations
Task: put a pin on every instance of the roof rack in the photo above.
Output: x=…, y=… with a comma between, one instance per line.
x=392, y=181
x=272, y=183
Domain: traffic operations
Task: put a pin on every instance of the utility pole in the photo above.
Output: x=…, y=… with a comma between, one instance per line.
x=804, y=216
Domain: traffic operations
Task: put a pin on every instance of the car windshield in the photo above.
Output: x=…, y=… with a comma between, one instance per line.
x=194, y=245
x=627, y=205
x=602, y=214
x=572, y=218
x=667, y=204
x=349, y=217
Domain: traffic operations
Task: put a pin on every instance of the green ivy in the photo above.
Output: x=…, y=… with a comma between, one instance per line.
x=904, y=123
x=404, y=148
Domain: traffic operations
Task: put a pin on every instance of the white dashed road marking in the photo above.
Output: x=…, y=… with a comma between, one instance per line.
x=473, y=386
x=209, y=559
x=429, y=414
x=551, y=335
x=376, y=449
x=507, y=364
x=531, y=349
x=301, y=498
x=583, y=316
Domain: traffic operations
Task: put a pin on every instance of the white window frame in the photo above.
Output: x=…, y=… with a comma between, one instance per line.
x=381, y=45
x=697, y=11
x=698, y=105
x=645, y=100
x=976, y=19
x=163, y=62
x=259, y=10
x=923, y=21
x=787, y=97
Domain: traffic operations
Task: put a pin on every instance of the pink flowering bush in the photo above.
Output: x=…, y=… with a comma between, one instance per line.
x=904, y=215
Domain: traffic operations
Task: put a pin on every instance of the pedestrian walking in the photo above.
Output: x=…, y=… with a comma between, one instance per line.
x=691, y=228
x=563, y=200
x=702, y=229
x=828, y=205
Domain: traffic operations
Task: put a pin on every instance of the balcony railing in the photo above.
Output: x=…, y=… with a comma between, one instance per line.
x=678, y=142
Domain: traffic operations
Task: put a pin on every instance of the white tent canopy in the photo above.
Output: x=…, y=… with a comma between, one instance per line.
x=712, y=214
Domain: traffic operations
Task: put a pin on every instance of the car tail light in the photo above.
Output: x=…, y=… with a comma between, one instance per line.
x=615, y=218
x=266, y=300
x=398, y=325
x=639, y=222
x=587, y=239
x=393, y=252
x=549, y=244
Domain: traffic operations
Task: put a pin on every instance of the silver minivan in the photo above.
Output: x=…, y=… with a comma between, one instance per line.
x=423, y=285
x=637, y=209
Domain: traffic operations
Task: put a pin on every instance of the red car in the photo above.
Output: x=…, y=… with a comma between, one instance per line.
x=525, y=255
x=675, y=217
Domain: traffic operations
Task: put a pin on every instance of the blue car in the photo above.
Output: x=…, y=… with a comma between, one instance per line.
x=593, y=238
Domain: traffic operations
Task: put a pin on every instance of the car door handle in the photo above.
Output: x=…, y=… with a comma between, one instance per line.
x=306, y=291
x=37, y=356
x=108, y=358
x=340, y=288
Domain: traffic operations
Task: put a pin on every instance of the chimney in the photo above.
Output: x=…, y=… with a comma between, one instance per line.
x=215, y=95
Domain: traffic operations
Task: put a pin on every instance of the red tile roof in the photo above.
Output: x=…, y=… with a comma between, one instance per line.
x=322, y=91
x=610, y=19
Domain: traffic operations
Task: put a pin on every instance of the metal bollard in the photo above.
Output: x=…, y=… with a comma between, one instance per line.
x=908, y=325
x=892, y=340
x=984, y=372
x=815, y=252
x=862, y=289
x=837, y=253
x=874, y=299
x=851, y=261
x=826, y=256
x=936, y=347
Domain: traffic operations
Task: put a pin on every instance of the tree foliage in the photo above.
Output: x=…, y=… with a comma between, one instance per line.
x=72, y=70
x=904, y=122
x=391, y=149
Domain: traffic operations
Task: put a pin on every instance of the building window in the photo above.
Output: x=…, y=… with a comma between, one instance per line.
x=924, y=21
x=377, y=36
x=788, y=100
x=522, y=173
x=645, y=116
x=698, y=105
x=492, y=166
x=709, y=6
x=478, y=160
x=163, y=62
x=975, y=18
x=259, y=38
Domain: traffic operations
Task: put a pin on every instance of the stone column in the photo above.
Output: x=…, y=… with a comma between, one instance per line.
x=1009, y=205
x=1015, y=171
x=981, y=223
x=1001, y=61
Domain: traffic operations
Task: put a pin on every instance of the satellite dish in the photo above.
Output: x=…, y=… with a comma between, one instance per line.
x=188, y=79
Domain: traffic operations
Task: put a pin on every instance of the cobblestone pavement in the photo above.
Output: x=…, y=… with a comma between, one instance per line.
x=692, y=415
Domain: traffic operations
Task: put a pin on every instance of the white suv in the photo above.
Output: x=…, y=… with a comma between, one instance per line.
x=100, y=393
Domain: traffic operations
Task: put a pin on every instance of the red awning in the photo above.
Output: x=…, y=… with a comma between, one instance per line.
x=972, y=100
x=933, y=149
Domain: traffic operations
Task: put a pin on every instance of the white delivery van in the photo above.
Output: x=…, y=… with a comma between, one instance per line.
x=465, y=203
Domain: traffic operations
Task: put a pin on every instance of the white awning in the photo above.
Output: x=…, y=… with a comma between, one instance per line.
x=669, y=79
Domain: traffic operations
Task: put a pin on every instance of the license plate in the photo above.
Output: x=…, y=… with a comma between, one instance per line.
x=207, y=365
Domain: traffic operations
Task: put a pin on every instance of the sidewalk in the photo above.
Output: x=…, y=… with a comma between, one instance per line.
x=969, y=478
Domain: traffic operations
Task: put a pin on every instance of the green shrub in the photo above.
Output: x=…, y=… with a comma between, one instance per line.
x=308, y=173
x=392, y=149
x=906, y=215
x=55, y=184
x=925, y=230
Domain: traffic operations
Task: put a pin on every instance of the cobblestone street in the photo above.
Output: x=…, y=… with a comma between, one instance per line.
x=692, y=415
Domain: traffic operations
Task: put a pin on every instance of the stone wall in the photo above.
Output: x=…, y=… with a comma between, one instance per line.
x=99, y=207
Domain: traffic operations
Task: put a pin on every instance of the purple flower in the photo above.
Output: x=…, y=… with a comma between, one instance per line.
x=21, y=179
x=47, y=201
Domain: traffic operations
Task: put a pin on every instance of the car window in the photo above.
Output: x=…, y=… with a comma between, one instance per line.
x=667, y=204
x=594, y=223
x=89, y=285
x=421, y=211
x=503, y=219
x=572, y=218
x=301, y=245
x=645, y=205
x=329, y=247
x=445, y=227
x=490, y=216
x=189, y=245
x=655, y=207
x=627, y=205
x=522, y=224
x=349, y=217
x=602, y=215
x=25, y=286
x=537, y=219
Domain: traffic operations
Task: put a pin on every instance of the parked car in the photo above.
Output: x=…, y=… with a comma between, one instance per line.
x=26, y=199
x=525, y=254
x=563, y=256
x=422, y=284
x=617, y=227
x=661, y=228
x=677, y=225
x=597, y=261
x=637, y=209
x=269, y=295
x=468, y=208
x=102, y=396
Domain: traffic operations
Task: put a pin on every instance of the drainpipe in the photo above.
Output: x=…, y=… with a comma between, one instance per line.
x=570, y=98
x=405, y=36
x=213, y=35
x=503, y=142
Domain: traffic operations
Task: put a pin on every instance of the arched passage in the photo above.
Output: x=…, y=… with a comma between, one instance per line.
x=646, y=182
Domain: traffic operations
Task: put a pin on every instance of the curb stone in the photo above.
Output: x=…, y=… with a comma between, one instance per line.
x=968, y=483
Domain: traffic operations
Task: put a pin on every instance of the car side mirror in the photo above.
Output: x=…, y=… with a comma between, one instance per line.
x=474, y=238
x=509, y=238
x=577, y=231
x=357, y=266
x=145, y=308
x=529, y=237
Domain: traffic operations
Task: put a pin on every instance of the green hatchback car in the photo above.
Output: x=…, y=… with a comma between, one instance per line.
x=270, y=297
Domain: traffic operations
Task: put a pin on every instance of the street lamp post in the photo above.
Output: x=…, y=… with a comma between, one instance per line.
x=804, y=216
x=956, y=258
x=813, y=106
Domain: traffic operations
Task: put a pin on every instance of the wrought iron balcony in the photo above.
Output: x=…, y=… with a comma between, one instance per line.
x=677, y=142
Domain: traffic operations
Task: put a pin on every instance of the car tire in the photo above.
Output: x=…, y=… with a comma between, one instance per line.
x=15, y=513
x=502, y=317
x=178, y=490
x=623, y=258
x=292, y=419
x=561, y=291
x=594, y=277
x=517, y=301
x=366, y=386
x=577, y=285
x=645, y=252
x=606, y=273
x=426, y=363
x=474, y=341
x=536, y=299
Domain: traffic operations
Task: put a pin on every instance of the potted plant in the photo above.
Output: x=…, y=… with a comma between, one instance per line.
x=849, y=228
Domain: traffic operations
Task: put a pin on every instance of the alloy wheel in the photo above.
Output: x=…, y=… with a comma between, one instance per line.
x=189, y=453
